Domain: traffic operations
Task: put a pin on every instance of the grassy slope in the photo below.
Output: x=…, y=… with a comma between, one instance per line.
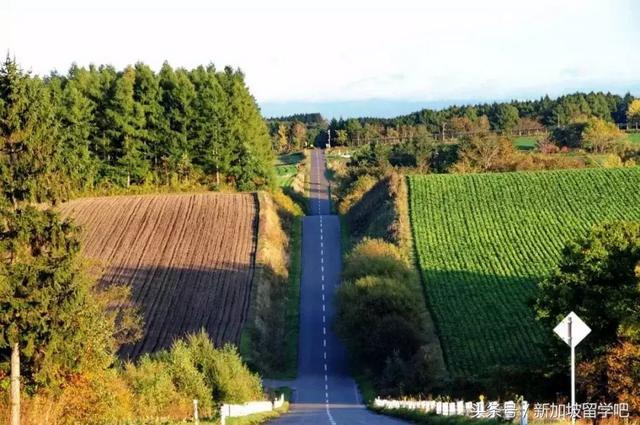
x=527, y=143
x=269, y=341
x=634, y=137
x=291, y=171
x=484, y=240
x=293, y=302
x=382, y=213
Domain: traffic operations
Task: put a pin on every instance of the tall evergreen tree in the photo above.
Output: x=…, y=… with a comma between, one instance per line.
x=28, y=145
x=75, y=115
x=209, y=114
x=126, y=123
x=252, y=159
x=177, y=96
x=146, y=92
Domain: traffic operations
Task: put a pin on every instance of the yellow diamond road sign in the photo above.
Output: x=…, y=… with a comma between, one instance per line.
x=572, y=329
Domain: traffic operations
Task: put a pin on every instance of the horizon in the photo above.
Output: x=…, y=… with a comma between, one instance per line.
x=392, y=108
x=340, y=55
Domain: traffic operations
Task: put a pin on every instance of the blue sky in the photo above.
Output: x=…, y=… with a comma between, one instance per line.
x=348, y=57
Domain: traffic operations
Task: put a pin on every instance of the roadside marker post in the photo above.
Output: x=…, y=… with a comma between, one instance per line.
x=572, y=330
x=196, y=419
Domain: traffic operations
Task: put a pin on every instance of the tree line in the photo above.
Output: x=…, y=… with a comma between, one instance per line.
x=97, y=127
x=513, y=117
x=297, y=131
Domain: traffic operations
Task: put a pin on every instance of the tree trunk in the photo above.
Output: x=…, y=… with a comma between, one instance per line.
x=15, y=385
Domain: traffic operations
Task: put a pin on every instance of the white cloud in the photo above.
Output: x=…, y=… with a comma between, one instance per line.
x=334, y=49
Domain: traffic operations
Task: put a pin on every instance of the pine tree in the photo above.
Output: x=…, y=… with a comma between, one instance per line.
x=101, y=82
x=177, y=96
x=75, y=114
x=28, y=137
x=251, y=164
x=146, y=92
x=49, y=324
x=209, y=111
x=126, y=123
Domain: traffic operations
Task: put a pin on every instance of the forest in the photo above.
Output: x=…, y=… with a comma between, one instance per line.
x=97, y=128
x=507, y=118
x=512, y=118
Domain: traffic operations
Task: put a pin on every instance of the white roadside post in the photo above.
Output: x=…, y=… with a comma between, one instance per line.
x=572, y=330
x=196, y=419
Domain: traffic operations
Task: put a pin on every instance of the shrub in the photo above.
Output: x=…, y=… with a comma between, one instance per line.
x=355, y=191
x=378, y=316
x=374, y=257
x=601, y=136
x=97, y=398
x=187, y=377
x=225, y=373
x=155, y=393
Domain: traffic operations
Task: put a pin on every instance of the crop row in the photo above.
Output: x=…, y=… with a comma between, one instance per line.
x=483, y=241
x=188, y=259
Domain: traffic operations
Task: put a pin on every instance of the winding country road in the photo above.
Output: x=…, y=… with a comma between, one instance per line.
x=324, y=392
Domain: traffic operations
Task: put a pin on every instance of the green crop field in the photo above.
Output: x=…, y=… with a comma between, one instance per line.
x=483, y=241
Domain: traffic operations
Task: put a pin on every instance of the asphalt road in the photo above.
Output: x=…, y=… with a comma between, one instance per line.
x=324, y=392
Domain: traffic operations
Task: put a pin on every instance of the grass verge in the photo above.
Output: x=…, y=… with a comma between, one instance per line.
x=419, y=417
x=258, y=418
x=269, y=340
x=293, y=302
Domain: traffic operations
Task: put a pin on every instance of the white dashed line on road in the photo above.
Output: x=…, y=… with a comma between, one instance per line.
x=319, y=163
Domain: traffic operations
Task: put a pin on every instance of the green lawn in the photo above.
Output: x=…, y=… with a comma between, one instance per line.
x=290, y=158
x=525, y=143
x=634, y=137
x=484, y=241
x=287, y=168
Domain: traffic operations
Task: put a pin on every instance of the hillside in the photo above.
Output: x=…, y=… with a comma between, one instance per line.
x=189, y=259
x=483, y=241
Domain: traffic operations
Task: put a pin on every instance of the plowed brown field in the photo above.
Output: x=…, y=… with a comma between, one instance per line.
x=188, y=258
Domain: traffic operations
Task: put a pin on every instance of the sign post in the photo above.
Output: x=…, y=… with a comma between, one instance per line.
x=572, y=330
